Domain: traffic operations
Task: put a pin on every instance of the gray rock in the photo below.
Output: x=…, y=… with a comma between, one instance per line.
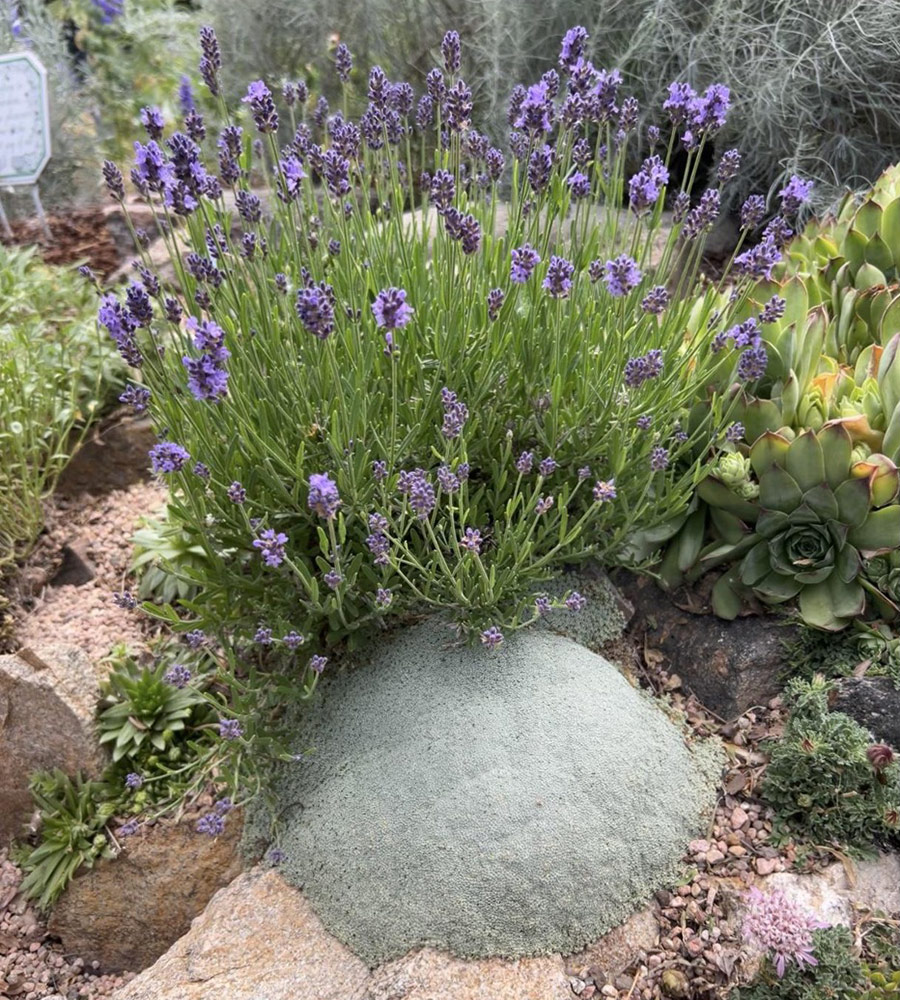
x=450, y=802
x=112, y=458
x=874, y=703
x=48, y=695
x=729, y=666
x=76, y=568
x=161, y=880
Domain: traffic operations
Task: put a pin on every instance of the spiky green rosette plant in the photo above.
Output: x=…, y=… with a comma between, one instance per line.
x=140, y=706
x=804, y=527
x=72, y=834
x=386, y=392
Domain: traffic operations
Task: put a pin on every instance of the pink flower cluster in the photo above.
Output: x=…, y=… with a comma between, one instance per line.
x=780, y=927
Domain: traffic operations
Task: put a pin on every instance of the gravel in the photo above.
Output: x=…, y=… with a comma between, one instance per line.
x=32, y=965
x=85, y=616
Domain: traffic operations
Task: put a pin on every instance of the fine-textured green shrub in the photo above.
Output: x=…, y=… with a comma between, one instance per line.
x=825, y=780
x=367, y=409
x=73, y=818
x=56, y=374
x=141, y=708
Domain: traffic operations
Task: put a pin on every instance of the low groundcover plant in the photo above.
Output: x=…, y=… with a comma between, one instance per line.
x=386, y=391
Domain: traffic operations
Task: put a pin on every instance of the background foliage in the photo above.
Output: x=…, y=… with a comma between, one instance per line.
x=56, y=375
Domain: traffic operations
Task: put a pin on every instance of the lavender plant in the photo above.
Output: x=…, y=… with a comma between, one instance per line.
x=382, y=391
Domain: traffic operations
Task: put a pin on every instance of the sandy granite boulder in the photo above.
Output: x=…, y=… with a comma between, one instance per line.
x=258, y=939
x=48, y=695
x=124, y=913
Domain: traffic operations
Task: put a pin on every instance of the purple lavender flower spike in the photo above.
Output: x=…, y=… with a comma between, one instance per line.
x=137, y=397
x=536, y=110
x=450, y=52
x=643, y=368
x=656, y=300
x=153, y=122
x=271, y=546
x=728, y=166
x=575, y=601
x=491, y=637
x=605, y=491
x=211, y=823
x=752, y=211
x=622, y=275
x=195, y=638
x=390, y=309
x=262, y=107
x=572, y=47
x=211, y=61
x=472, y=541
x=558, y=281
x=524, y=260
x=168, y=457
x=324, y=498
x=315, y=307
x=230, y=729
x=178, y=675
x=794, y=195
x=343, y=62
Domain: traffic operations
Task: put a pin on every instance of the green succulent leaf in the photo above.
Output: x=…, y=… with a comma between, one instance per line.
x=776, y=588
x=869, y=276
x=725, y=600
x=837, y=448
x=890, y=229
x=854, y=249
x=771, y=522
x=756, y=564
x=761, y=415
x=805, y=461
x=849, y=564
x=767, y=450
x=717, y=494
x=729, y=527
x=880, y=531
x=821, y=500
x=854, y=501
x=878, y=254
x=830, y=604
x=778, y=490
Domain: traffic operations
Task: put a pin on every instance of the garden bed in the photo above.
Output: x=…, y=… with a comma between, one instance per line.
x=79, y=235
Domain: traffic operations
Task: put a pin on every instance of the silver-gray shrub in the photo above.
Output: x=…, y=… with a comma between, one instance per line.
x=816, y=83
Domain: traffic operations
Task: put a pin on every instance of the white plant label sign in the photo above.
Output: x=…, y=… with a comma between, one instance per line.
x=24, y=119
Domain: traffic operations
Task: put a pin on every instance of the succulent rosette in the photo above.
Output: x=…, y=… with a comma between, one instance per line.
x=819, y=514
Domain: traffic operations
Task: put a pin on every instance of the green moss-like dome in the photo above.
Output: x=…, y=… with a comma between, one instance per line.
x=492, y=803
